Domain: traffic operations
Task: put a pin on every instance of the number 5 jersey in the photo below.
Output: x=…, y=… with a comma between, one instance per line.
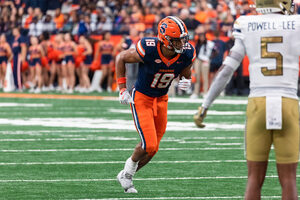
x=272, y=43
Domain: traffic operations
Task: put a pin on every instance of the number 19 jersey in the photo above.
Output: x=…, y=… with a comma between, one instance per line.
x=157, y=72
x=272, y=43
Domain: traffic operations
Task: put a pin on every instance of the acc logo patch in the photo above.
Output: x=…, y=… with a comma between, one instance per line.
x=163, y=27
x=157, y=60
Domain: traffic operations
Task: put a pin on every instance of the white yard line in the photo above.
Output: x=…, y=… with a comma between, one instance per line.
x=217, y=101
x=184, y=112
x=161, y=198
x=124, y=149
x=116, y=124
x=136, y=179
x=208, y=140
x=24, y=105
x=122, y=162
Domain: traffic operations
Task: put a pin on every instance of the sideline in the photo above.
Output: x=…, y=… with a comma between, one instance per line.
x=55, y=96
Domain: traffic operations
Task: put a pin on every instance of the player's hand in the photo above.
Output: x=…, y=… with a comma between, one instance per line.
x=184, y=84
x=199, y=117
x=124, y=97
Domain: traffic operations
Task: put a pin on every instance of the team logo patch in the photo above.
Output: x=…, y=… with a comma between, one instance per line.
x=157, y=60
x=163, y=27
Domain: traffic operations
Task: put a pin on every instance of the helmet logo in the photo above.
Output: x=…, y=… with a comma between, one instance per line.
x=163, y=27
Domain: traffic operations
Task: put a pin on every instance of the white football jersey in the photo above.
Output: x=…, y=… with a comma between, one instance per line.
x=272, y=44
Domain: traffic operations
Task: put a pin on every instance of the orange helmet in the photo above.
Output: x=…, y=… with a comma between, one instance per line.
x=170, y=30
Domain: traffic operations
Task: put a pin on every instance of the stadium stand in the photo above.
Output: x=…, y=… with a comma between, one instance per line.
x=123, y=19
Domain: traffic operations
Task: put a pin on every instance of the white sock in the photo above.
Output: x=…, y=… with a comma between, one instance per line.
x=130, y=166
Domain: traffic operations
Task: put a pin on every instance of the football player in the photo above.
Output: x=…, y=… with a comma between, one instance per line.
x=161, y=59
x=271, y=42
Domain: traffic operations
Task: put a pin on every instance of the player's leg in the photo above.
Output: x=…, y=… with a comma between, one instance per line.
x=196, y=66
x=110, y=77
x=258, y=142
x=205, y=75
x=160, y=121
x=142, y=111
x=256, y=177
x=15, y=70
x=39, y=77
x=3, y=73
x=287, y=179
x=32, y=75
x=53, y=72
x=85, y=76
x=104, y=68
x=286, y=144
x=71, y=68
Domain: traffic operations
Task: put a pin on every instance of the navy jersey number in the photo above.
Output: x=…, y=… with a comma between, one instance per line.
x=162, y=80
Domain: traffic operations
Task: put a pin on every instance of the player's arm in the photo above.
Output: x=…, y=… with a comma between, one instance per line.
x=23, y=51
x=185, y=80
x=186, y=73
x=89, y=49
x=74, y=48
x=127, y=56
x=9, y=52
x=42, y=51
x=230, y=64
x=97, y=51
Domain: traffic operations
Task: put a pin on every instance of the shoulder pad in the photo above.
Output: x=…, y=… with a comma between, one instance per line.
x=146, y=46
x=190, y=52
x=237, y=28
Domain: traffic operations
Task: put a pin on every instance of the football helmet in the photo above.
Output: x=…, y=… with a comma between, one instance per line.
x=270, y=6
x=173, y=33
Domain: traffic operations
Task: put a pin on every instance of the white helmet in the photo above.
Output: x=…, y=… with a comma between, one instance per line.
x=272, y=6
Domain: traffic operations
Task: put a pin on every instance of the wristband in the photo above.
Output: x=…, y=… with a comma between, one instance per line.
x=121, y=80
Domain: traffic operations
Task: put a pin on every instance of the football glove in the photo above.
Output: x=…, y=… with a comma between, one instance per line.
x=124, y=97
x=199, y=117
x=184, y=84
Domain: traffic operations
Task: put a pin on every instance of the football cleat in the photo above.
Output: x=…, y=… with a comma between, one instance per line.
x=131, y=190
x=125, y=180
x=199, y=117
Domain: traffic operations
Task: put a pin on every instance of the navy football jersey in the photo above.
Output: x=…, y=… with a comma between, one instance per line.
x=16, y=45
x=157, y=72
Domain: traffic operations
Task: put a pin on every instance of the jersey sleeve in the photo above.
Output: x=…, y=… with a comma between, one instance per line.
x=146, y=48
x=190, y=54
x=237, y=28
x=141, y=48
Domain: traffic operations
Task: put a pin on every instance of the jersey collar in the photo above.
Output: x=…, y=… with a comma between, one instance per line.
x=164, y=59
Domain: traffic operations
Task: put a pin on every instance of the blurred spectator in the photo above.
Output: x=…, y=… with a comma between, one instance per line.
x=150, y=18
x=19, y=50
x=217, y=55
x=58, y=19
x=36, y=27
x=185, y=17
x=68, y=24
x=119, y=17
x=174, y=8
x=66, y=7
x=48, y=24
x=236, y=85
x=27, y=19
x=83, y=27
x=204, y=48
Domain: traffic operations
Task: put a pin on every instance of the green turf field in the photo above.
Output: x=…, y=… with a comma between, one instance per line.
x=73, y=149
